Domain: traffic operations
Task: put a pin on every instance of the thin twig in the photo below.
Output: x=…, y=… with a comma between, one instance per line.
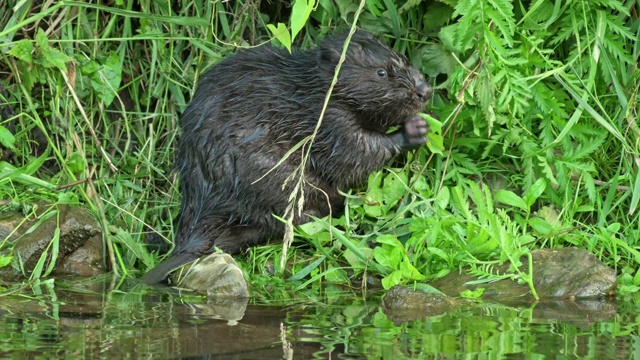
x=296, y=198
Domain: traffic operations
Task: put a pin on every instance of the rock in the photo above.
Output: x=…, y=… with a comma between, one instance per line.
x=8, y=223
x=568, y=273
x=79, y=243
x=215, y=274
x=572, y=273
x=86, y=261
x=401, y=304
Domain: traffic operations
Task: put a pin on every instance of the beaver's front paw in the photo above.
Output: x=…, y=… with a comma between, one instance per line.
x=415, y=131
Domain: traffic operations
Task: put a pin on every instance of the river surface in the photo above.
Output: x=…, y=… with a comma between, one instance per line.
x=107, y=319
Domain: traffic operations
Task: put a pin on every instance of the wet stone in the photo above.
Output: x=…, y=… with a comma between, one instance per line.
x=572, y=273
x=79, y=243
x=216, y=274
x=568, y=273
x=8, y=223
x=86, y=261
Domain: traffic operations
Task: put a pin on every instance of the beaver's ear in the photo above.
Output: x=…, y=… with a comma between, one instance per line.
x=331, y=55
x=328, y=57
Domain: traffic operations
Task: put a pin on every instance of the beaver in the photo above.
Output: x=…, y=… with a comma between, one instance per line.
x=252, y=108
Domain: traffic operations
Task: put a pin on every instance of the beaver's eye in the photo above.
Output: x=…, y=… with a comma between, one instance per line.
x=382, y=73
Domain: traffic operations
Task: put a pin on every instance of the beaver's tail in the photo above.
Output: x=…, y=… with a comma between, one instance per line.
x=162, y=270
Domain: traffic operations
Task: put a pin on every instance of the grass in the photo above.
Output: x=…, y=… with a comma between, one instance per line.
x=538, y=105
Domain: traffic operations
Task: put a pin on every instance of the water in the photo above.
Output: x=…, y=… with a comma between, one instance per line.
x=110, y=320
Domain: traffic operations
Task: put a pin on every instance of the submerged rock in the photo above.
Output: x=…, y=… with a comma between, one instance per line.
x=79, y=247
x=568, y=273
x=401, y=304
x=216, y=274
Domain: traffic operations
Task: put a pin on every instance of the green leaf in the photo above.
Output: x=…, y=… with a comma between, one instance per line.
x=23, y=174
x=41, y=39
x=409, y=271
x=485, y=93
x=354, y=261
x=5, y=260
x=636, y=194
x=382, y=196
x=460, y=200
x=222, y=17
x=340, y=236
x=23, y=50
x=389, y=257
x=549, y=214
x=9, y=173
x=435, y=59
x=300, y=274
x=53, y=58
x=442, y=198
x=109, y=79
x=447, y=39
x=90, y=68
x=439, y=253
x=436, y=17
x=299, y=15
x=47, y=56
x=435, y=141
x=282, y=34
x=628, y=289
x=502, y=18
x=540, y=226
x=426, y=288
x=546, y=169
x=6, y=138
x=391, y=280
x=394, y=188
x=472, y=294
x=34, y=165
x=534, y=192
x=76, y=162
x=393, y=17
x=311, y=228
x=68, y=197
x=105, y=76
x=389, y=240
x=510, y=198
x=54, y=246
x=374, y=7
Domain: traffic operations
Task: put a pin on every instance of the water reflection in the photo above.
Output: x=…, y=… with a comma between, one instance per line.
x=116, y=321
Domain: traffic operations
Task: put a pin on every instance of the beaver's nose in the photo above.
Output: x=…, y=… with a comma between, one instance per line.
x=423, y=90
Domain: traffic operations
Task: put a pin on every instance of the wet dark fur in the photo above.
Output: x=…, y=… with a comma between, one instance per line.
x=251, y=108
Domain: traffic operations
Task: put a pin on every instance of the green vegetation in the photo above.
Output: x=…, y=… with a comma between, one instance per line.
x=538, y=102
